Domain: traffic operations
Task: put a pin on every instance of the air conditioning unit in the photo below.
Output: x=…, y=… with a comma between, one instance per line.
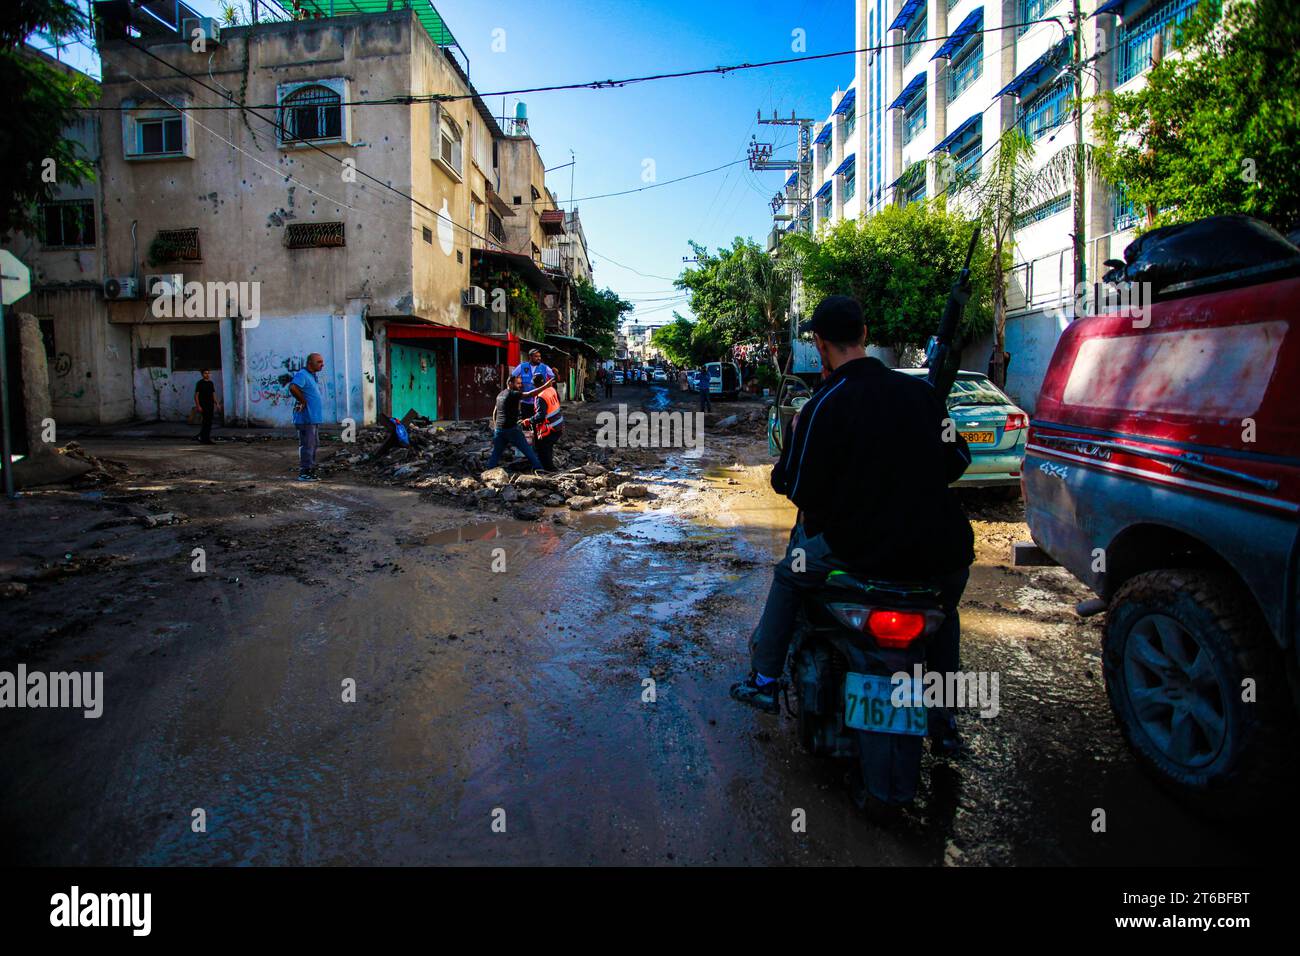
x=170, y=283
x=121, y=287
x=208, y=29
x=474, y=296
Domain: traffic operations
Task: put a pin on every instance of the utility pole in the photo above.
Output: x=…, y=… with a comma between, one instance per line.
x=1080, y=210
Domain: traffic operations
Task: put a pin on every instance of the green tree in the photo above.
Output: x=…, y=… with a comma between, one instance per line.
x=596, y=316
x=1214, y=129
x=685, y=343
x=900, y=264
x=35, y=154
x=739, y=295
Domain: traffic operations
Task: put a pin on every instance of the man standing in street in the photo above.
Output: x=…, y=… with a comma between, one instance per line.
x=705, y=379
x=535, y=374
x=609, y=383
x=308, y=413
x=548, y=425
x=205, y=400
x=505, y=425
x=894, y=517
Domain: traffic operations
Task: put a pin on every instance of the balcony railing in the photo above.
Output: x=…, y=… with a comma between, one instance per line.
x=1133, y=42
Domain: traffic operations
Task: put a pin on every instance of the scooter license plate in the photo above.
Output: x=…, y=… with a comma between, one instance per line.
x=869, y=705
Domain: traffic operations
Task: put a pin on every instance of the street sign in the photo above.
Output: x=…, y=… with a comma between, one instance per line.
x=15, y=278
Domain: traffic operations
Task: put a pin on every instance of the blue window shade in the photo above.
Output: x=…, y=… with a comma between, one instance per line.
x=825, y=190
x=824, y=135
x=914, y=118
x=1133, y=41
x=972, y=125
x=1040, y=69
x=903, y=98
x=846, y=165
x=906, y=13
x=974, y=21
x=966, y=66
x=846, y=102
x=794, y=178
x=1047, y=112
x=1043, y=211
x=914, y=38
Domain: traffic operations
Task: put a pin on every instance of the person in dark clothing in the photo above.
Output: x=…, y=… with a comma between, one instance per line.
x=505, y=424
x=868, y=460
x=705, y=388
x=205, y=400
x=609, y=383
x=548, y=425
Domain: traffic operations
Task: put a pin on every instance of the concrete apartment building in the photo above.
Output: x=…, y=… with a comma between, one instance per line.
x=950, y=84
x=314, y=222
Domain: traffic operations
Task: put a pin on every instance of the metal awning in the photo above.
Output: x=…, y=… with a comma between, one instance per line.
x=825, y=190
x=904, y=18
x=553, y=222
x=429, y=18
x=824, y=136
x=400, y=331
x=974, y=21
x=848, y=161
x=846, y=102
x=499, y=205
x=959, y=132
x=794, y=178
x=1030, y=74
x=909, y=91
x=523, y=265
x=1111, y=6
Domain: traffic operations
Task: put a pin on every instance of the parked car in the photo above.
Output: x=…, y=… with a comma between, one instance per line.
x=994, y=427
x=618, y=377
x=1163, y=470
x=660, y=375
x=725, y=379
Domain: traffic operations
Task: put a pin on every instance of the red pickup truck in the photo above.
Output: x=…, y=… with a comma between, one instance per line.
x=1162, y=468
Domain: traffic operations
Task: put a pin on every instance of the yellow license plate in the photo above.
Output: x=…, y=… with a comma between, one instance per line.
x=979, y=438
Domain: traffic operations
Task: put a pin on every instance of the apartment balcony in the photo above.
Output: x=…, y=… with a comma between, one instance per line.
x=553, y=222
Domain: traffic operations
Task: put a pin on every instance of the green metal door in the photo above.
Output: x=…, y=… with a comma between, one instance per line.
x=415, y=381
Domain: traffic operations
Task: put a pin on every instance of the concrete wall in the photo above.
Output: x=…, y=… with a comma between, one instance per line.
x=1031, y=340
x=90, y=371
x=521, y=172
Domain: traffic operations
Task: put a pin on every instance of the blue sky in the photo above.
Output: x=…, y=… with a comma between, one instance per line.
x=683, y=125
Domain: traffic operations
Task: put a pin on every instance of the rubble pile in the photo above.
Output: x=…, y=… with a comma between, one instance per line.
x=449, y=460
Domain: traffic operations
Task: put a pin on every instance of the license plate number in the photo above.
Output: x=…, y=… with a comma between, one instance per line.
x=869, y=705
x=979, y=438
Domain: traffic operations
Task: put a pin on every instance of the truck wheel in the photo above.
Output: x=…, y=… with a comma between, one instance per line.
x=1178, y=646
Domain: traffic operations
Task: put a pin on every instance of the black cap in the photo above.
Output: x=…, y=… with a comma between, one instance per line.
x=837, y=318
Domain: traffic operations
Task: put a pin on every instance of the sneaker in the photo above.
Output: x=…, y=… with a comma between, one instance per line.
x=763, y=698
x=307, y=477
x=945, y=741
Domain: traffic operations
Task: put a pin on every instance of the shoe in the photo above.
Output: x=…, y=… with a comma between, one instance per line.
x=945, y=741
x=306, y=477
x=762, y=698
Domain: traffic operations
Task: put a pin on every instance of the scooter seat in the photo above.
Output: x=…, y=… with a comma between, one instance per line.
x=905, y=593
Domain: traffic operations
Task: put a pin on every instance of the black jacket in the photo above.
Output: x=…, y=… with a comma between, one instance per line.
x=506, y=412
x=869, y=468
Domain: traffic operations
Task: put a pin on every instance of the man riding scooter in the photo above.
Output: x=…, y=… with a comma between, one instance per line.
x=868, y=463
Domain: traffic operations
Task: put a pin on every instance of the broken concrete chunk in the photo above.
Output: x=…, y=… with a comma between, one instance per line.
x=527, y=512
x=594, y=470
x=495, y=476
x=629, y=490
x=581, y=502
x=509, y=493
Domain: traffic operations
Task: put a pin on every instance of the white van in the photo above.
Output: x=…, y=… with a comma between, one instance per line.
x=724, y=379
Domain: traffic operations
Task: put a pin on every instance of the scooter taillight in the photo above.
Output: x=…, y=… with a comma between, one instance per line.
x=895, y=629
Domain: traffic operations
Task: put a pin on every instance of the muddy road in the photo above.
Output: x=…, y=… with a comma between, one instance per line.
x=502, y=665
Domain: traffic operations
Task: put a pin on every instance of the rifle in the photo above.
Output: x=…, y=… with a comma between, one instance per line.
x=941, y=358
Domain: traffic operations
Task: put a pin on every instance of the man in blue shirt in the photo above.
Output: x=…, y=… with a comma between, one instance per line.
x=706, y=377
x=308, y=414
x=536, y=375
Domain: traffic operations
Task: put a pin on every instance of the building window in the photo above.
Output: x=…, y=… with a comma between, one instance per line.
x=194, y=353
x=427, y=234
x=536, y=194
x=915, y=193
x=1043, y=211
x=450, y=147
x=311, y=112
x=495, y=228
x=154, y=133
x=1047, y=111
x=151, y=358
x=1030, y=10
x=914, y=36
x=1124, y=214
x=849, y=125
x=175, y=245
x=850, y=183
x=824, y=208
x=1133, y=41
x=966, y=66
x=966, y=161
x=914, y=116
x=67, y=225
x=313, y=235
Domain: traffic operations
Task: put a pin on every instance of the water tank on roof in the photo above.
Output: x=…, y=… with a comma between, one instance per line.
x=521, y=111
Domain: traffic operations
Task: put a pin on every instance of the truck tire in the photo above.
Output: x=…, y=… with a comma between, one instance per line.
x=1178, y=646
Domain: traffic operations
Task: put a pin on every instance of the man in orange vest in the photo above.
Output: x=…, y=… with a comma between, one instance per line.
x=548, y=425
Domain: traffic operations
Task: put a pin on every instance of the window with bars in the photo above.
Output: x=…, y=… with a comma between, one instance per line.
x=824, y=208
x=914, y=36
x=966, y=66
x=313, y=235
x=914, y=116
x=849, y=125
x=850, y=182
x=67, y=224
x=966, y=160
x=1029, y=10
x=175, y=245
x=1047, y=111
x=1043, y=211
x=1133, y=41
x=1124, y=214
x=915, y=193
x=311, y=113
